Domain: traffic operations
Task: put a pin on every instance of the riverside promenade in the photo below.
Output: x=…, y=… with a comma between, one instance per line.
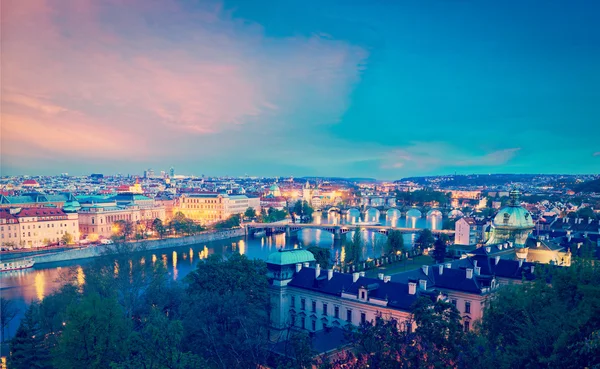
x=137, y=246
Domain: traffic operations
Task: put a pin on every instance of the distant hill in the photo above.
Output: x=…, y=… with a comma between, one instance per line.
x=589, y=186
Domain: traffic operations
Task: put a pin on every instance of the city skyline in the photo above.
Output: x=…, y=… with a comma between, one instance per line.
x=270, y=89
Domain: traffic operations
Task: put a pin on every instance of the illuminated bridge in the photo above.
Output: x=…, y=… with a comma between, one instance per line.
x=337, y=229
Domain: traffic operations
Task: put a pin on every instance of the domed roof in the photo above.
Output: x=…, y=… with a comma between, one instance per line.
x=290, y=257
x=274, y=188
x=71, y=206
x=514, y=215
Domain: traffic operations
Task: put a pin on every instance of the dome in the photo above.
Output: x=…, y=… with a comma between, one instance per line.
x=274, y=188
x=290, y=257
x=71, y=206
x=514, y=215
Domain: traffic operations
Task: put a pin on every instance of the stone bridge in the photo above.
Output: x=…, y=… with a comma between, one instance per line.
x=337, y=229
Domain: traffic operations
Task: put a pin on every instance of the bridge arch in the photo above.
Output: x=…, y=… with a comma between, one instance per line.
x=414, y=213
x=393, y=213
x=353, y=215
x=334, y=210
x=372, y=215
x=434, y=213
x=456, y=214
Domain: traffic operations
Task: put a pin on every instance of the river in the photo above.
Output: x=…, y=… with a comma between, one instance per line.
x=25, y=286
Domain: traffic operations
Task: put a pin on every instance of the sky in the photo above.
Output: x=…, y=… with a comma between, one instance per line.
x=348, y=88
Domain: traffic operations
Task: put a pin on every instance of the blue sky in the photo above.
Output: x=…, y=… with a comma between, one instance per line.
x=383, y=89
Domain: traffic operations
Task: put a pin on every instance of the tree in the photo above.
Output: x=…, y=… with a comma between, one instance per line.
x=231, y=222
x=586, y=213
x=353, y=249
x=439, y=253
x=322, y=256
x=395, y=242
x=93, y=334
x=67, y=238
x=159, y=228
x=225, y=315
x=250, y=213
x=8, y=311
x=123, y=229
x=425, y=239
x=28, y=347
x=307, y=211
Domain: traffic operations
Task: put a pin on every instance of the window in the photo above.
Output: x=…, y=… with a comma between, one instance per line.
x=349, y=315
x=293, y=301
x=314, y=306
x=467, y=307
x=453, y=302
x=362, y=294
x=325, y=309
x=303, y=322
x=302, y=304
x=336, y=312
x=467, y=326
x=293, y=320
x=314, y=325
x=363, y=318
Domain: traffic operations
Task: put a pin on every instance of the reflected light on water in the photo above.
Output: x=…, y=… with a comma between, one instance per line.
x=191, y=255
x=164, y=260
x=174, y=265
x=242, y=246
x=153, y=259
x=116, y=269
x=80, y=278
x=143, y=261
x=40, y=285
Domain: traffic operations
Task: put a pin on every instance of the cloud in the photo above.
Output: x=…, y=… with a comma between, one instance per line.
x=120, y=77
x=426, y=155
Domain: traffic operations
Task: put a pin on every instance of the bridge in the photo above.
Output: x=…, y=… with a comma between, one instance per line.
x=337, y=229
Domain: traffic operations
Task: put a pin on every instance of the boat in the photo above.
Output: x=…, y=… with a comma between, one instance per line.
x=7, y=266
x=260, y=233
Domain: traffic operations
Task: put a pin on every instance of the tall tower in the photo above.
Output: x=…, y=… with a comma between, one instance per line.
x=307, y=193
x=172, y=172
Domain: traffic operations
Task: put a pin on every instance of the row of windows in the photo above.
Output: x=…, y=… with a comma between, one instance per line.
x=336, y=309
x=39, y=226
x=467, y=305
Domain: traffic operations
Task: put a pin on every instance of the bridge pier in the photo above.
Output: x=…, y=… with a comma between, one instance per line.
x=337, y=234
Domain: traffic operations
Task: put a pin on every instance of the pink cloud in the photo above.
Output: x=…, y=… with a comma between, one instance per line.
x=117, y=77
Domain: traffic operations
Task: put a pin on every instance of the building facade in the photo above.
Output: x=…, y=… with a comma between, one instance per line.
x=212, y=208
x=37, y=227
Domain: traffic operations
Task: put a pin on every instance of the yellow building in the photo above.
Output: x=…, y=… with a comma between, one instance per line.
x=211, y=208
x=37, y=227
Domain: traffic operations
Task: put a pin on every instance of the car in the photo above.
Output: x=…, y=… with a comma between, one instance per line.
x=106, y=241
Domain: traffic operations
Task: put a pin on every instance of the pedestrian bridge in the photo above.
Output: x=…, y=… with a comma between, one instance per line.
x=337, y=229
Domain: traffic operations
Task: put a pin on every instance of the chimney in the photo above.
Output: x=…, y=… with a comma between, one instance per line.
x=532, y=269
x=564, y=219
x=441, y=266
x=449, y=265
x=355, y=276
x=423, y=284
x=477, y=270
x=469, y=273
x=298, y=267
x=500, y=247
x=380, y=276
x=474, y=263
x=317, y=271
x=520, y=263
x=590, y=221
x=412, y=288
x=425, y=269
x=307, y=264
x=538, y=244
x=329, y=274
x=497, y=259
x=488, y=249
x=362, y=274
x=387, y=278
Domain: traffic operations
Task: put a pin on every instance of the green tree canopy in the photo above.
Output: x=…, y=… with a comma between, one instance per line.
x=395, y=242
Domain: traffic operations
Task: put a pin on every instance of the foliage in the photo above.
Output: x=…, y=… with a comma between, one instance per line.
x=395, y=242
x=353, y=248
x=158, y=227
x=8, y=311
x=425, y=239
x=586, y=213
x=231, y=222
x=273, y=215
x=67, y=239
x=439, y=252
x=421, y=197
x=250, y=213
x=322, y=255
x=29, y=350
x=123, y=229
x=448, y=223
x=589, y=186
x=183, y=225
x=303, y=210
x=225, y=314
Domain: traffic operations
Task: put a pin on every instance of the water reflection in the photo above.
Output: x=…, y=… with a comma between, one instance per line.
x=40, y=285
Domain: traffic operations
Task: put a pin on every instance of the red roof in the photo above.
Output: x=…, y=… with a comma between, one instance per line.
x=5, y=214
x=40, y=212
x=30, y=182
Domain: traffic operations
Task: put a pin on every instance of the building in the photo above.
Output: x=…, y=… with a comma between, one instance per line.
x=99, y=213
x=35, y=199
x=304, y=297
x=207, y=208
x=469, y=231
x=37, y=226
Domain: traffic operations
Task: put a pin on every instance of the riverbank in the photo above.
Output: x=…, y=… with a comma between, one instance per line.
x=135, y=246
